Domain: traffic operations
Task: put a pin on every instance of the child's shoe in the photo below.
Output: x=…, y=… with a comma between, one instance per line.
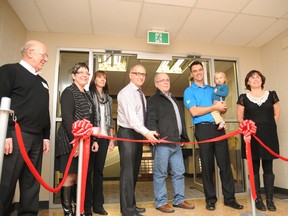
x=222, y=125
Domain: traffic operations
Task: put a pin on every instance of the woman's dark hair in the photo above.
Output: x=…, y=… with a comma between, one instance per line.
x=92, y=86
x=250, y=74
x=77, y=66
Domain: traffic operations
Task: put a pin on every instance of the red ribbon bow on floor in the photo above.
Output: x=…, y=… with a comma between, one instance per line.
x=82, y=129
x=248, y=128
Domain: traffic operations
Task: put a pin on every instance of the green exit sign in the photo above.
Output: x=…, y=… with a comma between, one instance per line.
x=161, y=38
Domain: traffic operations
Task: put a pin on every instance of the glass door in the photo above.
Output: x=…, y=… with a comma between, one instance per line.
x=229, y=67
x=67, y=59
x=193, y=166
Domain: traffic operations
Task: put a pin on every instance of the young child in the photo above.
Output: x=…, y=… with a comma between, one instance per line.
x=220, y=93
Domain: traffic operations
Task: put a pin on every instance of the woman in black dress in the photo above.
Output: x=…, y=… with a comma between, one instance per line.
x=76, y=104
x=263, y=108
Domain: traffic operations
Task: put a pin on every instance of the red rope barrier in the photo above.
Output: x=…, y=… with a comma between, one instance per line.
x=31, y=166
x=82, y=129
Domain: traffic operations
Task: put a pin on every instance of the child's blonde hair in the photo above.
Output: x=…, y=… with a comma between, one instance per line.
x=220, y=72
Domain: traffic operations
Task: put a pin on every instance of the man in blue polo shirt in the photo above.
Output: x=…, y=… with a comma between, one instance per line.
x=198, y=100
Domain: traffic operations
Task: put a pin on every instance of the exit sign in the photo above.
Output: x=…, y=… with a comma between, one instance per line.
x=161, y=38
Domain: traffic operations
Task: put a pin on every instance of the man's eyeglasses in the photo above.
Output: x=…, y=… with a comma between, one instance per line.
x=44, y=55
x=81, y=73
x=138, y=74
x=163, y=80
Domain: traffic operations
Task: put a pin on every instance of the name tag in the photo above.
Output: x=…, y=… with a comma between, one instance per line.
x=45, y=85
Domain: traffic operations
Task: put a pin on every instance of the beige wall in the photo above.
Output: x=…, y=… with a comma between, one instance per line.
x=13, y=35
x=275, y=67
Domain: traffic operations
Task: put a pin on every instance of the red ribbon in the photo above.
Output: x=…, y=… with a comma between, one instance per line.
x=82, y=129
x=31, y=166
x=269, y=150
x=248, y=128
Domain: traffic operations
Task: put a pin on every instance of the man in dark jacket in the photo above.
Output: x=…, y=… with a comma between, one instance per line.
x=165, y=116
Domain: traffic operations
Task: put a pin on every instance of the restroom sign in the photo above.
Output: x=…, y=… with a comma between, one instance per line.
x=158, y=37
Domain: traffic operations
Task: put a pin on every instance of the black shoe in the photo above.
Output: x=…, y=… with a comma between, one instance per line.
x=141, y=210
x=100, y=211
x=259, y=204
x=210, y=206
x=86, y=214
x=270, y=205
x=233, y=204
x=137, y=214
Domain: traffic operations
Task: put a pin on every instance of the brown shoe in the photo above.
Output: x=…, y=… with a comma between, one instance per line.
x=185, y=205
x=166, y=208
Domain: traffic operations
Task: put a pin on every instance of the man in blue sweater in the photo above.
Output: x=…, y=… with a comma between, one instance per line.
x=29, y=95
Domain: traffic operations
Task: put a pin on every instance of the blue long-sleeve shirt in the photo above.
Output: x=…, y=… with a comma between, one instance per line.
x=222, y=91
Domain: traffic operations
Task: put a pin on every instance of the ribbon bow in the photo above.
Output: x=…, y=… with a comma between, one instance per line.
x=81, y=129
x=248, y=128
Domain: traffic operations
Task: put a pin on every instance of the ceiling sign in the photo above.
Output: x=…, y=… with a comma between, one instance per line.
x=158, y=37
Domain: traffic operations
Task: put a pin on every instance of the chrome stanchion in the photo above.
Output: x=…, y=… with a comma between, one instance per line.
x=253, y=213
x=4, y=116
x=79, y=176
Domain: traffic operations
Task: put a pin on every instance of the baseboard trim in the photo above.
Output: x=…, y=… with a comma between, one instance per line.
x=42, y=205
x=45, y=204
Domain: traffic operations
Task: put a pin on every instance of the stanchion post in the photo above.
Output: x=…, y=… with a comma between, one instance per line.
x=4, y=116
x=79, y=176
x=253, y=213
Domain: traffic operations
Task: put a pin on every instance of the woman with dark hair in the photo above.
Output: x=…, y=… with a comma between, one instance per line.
x=263, y=108
x=76, y=104
x=104, y=120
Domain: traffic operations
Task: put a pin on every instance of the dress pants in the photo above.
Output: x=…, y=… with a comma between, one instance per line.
x=15, y=168
x=221, y=152
x=98, y=167
x=130, y=161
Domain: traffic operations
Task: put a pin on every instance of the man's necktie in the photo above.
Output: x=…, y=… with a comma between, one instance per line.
x=143, y=103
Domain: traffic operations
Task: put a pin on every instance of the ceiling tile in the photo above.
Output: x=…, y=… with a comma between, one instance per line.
x=277, y=28
x=273, y=8
x=198, y=26
x=222, y=5
x=59, y=17
x=244, y=28
x=162, y=17
x=115, y=17
x=191, y=20
x=184, y=3
x=29, y=15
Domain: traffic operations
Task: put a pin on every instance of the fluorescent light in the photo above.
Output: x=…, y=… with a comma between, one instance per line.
x=169, y=67
x=112, y=62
